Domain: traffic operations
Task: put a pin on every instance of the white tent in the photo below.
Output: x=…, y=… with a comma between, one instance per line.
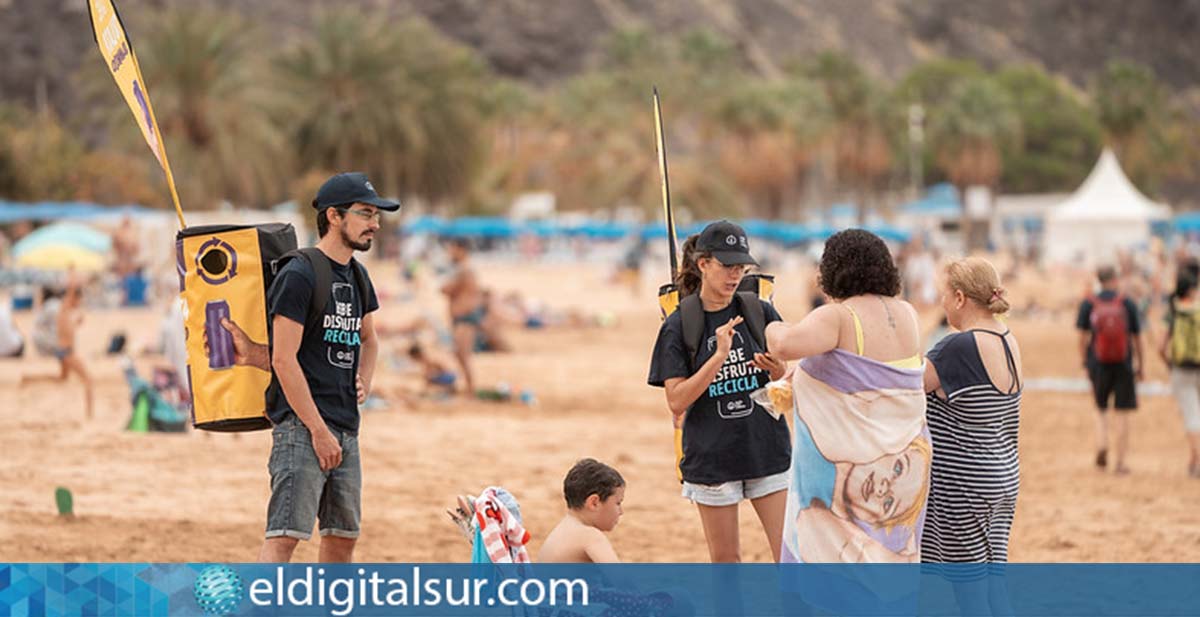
x=1106, y=213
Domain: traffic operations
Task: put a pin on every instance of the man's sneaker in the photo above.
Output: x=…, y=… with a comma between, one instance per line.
x=1102, y=459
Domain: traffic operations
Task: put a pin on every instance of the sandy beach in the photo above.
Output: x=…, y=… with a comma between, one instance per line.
x=202, y=497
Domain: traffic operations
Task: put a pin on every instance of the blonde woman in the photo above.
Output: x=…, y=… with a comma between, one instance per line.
x=973, y=381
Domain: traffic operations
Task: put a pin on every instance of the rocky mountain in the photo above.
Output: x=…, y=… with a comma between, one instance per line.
x=42, y=42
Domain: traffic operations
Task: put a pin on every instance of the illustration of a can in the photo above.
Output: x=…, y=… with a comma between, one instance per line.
x=220, y=341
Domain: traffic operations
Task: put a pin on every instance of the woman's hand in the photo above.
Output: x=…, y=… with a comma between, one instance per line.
x=725, y=337
x=769, y=363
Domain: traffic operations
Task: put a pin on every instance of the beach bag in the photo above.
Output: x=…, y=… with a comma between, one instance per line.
x=1185, y=336
x=1110, y=330
x=224, y=273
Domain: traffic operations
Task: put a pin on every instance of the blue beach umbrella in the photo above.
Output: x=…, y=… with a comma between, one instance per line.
x=480, y=227
x=887, y=232
x=425, y=225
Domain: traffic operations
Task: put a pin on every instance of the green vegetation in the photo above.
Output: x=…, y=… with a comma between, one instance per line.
x=255, y=117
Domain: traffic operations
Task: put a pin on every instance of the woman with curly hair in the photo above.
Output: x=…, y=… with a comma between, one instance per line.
x=861, y=455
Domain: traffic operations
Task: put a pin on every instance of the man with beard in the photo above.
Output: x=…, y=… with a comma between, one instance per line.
x=323, y=358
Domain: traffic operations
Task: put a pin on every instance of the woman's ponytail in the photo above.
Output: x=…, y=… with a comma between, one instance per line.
x=688, y=279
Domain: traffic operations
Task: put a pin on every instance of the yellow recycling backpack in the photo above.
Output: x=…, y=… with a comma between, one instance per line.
x=1185, y=335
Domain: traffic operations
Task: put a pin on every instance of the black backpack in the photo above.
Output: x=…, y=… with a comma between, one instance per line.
x=691, y=314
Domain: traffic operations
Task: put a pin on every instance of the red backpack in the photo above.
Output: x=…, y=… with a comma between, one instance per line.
x=1110, y=330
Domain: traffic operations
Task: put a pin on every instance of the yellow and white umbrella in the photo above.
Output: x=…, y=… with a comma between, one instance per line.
x=62, y=257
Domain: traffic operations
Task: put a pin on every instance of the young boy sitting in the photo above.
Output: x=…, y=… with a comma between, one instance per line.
x=594, y=492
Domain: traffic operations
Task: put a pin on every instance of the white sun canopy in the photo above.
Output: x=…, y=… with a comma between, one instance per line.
x=1106, y=214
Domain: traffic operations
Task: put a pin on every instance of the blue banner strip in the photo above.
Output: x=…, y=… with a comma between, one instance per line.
x=623, y=590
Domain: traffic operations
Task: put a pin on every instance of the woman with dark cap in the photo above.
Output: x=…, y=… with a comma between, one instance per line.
x=861, y=455
x=732, y=449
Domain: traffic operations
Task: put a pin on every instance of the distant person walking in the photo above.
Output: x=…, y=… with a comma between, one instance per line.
x=1110, y=344
x=920, y=274
x=468, y=308
x=973, y=381
x=125, y=248
x=1180, y=349
x=58, y=326
x=12, y=344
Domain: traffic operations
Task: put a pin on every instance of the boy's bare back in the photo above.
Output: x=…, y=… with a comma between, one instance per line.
x=572, y=541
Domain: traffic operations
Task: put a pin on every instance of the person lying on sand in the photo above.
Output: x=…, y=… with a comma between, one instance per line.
x=436, y=375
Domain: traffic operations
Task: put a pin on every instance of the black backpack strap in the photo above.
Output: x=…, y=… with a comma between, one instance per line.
x=324, y=279
x=691, y=314
x=360, y=282
x=320, y=295
x=755, y=317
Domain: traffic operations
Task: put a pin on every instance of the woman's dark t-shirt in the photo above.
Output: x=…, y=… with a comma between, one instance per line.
x=726, y=436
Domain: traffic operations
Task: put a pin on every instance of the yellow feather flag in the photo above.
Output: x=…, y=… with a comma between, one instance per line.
x=118, y=54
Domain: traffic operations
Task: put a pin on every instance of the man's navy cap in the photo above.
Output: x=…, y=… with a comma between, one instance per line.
x=350, y=188
x=727, y=242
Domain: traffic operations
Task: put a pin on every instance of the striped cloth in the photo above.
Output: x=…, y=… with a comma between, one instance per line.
x=860, y=462
x=504, y=538
x=976, y=474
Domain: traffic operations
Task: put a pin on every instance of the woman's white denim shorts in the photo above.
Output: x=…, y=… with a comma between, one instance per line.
x=730, y=493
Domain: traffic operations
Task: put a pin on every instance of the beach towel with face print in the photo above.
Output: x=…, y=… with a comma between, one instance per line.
x=860, y=462
x=504, y=538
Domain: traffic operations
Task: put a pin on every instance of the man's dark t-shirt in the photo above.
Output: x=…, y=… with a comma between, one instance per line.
x=725, y=436
x=1084, y=322
x=329, y=353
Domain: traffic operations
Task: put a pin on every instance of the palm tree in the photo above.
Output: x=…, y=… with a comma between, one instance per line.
x=38, y=155
x=205, y=81
x=969, y=132
x=771, y=128
x=1127, y=98
x=1132, y=108
x=397, y=101
x=1060, y=136
x=862, y=124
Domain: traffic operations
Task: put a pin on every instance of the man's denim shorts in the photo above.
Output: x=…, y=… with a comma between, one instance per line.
x=301, y=493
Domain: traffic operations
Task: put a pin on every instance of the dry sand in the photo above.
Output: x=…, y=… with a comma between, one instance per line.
x=201, y=497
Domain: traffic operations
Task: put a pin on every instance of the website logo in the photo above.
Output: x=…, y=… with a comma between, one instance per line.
x=218, y=590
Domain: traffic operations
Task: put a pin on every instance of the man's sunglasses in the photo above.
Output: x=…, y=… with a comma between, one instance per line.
x=376, y=216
